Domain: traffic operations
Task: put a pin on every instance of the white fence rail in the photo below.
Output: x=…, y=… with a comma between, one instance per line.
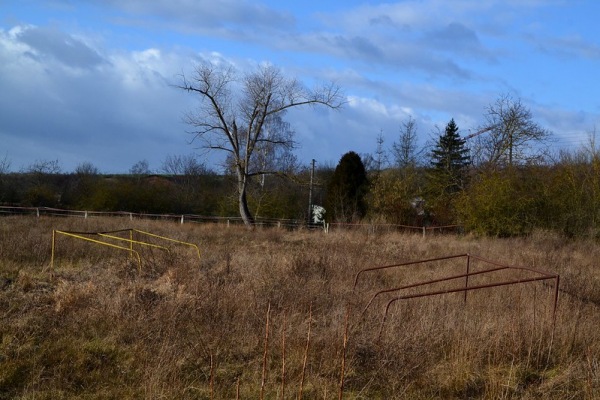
x=192, y=218
x=181, y=218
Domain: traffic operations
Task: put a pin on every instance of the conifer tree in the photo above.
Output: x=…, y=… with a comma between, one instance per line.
x=449, y=160
x=446, y=176
x=347, y=189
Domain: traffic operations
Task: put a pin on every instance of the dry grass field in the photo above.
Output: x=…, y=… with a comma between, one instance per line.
x=273, y=314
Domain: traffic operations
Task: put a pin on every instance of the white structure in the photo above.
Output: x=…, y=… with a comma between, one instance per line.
x=318, y=214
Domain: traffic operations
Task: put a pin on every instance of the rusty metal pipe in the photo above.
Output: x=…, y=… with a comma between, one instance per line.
x=430, y=282
x=537, y=271
x=486, y=286
x=467, y=276
x=404, y=264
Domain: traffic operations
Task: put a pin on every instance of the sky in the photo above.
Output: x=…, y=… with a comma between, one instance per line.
x=94, y=81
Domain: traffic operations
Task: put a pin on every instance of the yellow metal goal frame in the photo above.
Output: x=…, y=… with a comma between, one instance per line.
x=109, y=235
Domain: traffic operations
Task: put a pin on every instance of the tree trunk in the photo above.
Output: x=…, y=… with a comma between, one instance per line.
x=243, y=201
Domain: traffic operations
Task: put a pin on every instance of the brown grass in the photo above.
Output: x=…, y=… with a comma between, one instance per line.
x=188, y=329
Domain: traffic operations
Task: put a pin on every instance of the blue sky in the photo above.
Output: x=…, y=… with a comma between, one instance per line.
x=92, y=81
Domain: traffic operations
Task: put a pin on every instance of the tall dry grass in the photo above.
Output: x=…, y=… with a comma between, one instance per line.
x=93, y=327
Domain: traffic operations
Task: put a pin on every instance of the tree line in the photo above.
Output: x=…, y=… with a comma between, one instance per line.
x=500, y=180
x=182, y=185
x=441, y=185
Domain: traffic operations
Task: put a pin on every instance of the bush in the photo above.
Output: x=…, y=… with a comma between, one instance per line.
x=501, y=203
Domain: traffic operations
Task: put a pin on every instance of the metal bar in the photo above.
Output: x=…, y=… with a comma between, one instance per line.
x=430, y=282
x=105, y=244
x=405, y=264
x=486, y=286
x=131, y=242
x=467, y=275
x=52, y=255
x=96, y=233
x=555, y=299
x=537, y=271
x=170, y=239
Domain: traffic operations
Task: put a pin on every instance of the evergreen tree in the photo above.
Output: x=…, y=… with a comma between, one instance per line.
x=347, y=189
x=447, y=174
x=449, y=160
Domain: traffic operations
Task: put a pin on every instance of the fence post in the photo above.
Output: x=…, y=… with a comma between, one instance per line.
x=37, y=212
x=424, y=231
x=85, y=215
x=182, y=220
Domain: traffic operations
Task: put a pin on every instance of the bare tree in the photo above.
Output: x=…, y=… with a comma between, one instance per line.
x=86, y=168
x=183, y=165
x=591, y=148
x=44, y=167
x=4, y=165
x=236, y=116
x=511, y=136
x=405, y=150
x=140, y=168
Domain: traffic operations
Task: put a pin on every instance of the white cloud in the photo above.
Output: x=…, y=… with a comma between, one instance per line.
x=84, y=98
x=368, y=105
x=111, y=113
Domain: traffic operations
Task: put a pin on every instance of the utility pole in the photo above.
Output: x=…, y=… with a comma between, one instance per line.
x=310, y=188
